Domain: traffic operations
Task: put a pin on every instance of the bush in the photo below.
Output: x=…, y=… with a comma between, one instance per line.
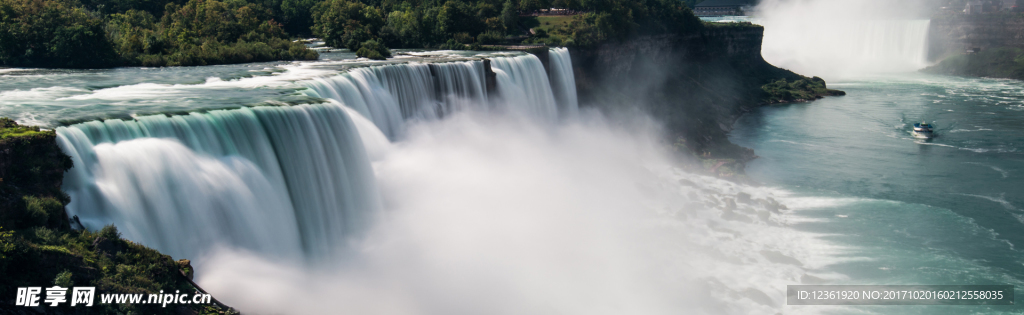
x=453, y=45
x=490, y=38
x=463, y=37
x=43, y=211
x=63, y=279
x=110, y=232
x=374, y=50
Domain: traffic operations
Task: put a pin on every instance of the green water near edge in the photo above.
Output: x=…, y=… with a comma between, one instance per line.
x=949, y=210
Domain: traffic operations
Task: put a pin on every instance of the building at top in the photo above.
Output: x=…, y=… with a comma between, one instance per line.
x=723, y=7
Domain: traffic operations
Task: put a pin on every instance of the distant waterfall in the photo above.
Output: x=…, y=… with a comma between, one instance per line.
x=843, y=48
x=281, y=180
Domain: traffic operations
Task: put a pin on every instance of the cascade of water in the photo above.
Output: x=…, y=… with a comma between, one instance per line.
x=388, y=95
x=523, y=85
x=563, y=82
x=281, y=180
x=266, y=178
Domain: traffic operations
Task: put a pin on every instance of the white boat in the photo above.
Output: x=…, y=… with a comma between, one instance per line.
x=923, y=130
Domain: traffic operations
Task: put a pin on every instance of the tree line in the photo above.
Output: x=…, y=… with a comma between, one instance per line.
x=107, y=33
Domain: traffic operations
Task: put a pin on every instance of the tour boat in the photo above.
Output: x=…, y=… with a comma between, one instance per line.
x=923, y=130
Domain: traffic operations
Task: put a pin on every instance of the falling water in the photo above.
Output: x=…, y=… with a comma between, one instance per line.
x=524, y=86
x=563, y=82
x=264, y=178
x=279, y=180
x=388, y=95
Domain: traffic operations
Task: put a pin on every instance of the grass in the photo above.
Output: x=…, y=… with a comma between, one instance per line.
x=9, y=129
x=549, y=29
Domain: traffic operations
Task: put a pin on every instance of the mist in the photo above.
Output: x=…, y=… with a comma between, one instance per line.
x=839, y=40
x=495, y=213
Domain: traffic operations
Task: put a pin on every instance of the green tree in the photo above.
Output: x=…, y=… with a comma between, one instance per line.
x=343, y=23
x=510, y=16
x=373, y=50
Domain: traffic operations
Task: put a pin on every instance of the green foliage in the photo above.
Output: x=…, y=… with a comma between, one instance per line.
x=49, y=33
x=110, y=232
x=6, y=248
x=452, y=44
x=105, y=33
x=43, y=211
x=63, y=279
x=58, y=33
x=10, y=129
x=373, y=50
x=119, y=266
x=490, y=38
x=343, y=23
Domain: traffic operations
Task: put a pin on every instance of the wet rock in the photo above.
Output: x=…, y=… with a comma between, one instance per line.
x=185, y=266
x=763, y=215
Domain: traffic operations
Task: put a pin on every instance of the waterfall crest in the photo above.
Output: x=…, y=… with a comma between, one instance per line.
x=283, y=180
x=296, y=174
x=389, y=95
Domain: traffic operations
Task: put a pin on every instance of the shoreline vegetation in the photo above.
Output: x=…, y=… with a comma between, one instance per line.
x=113, y=33
x=39, y=248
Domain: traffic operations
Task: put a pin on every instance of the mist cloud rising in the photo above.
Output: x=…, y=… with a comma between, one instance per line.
x=487, y=214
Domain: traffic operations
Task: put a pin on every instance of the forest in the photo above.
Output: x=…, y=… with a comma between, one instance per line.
x=112, y=33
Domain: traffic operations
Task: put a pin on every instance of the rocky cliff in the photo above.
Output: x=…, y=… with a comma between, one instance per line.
x=697, y=84
x=954, y=34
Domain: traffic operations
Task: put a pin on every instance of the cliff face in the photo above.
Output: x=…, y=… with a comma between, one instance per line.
x=954, y=34
x=696, y=84
x=31, y=168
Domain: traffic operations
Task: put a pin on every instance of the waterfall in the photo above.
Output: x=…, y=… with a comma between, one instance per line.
x=524, y=86
x=285, y=181
x=279, y=180
x=563, y=82
x=842, y=48
x=389, y=95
